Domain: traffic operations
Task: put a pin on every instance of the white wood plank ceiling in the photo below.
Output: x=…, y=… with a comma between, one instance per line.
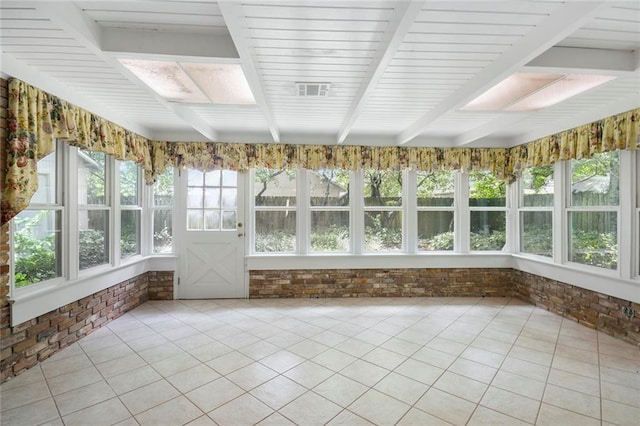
x=400, y=71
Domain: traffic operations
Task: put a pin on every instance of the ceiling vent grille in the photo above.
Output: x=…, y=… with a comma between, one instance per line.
x=313, y=90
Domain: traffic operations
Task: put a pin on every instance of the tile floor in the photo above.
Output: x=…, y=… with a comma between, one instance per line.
x=419, y=361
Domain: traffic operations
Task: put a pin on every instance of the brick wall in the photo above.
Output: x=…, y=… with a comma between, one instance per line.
x=161, y=285
x=380, y=282
x=592, y=309
x=28, y=343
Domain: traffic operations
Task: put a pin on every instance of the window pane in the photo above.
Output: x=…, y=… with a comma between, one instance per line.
x=275, y=231
x=195, y=178
x=212, y=197
x=382, y=231
x=486, y=190
x=229, y=198
x=275, y=187
x=382, y=188
x=94, y=238
x=162, y=231
x=436, y=189
x=230, y=178
x=536, y=187
x=129, y=233
x=488, y=230
x=212, y=220
x=211, y=178
x=163, y=189
x=329, y=187
x=91, y=178
x=330, y=231
x=229, y=221
x=46, y=193
x=595, y=181
x=195, y=198
x=594, y=240
x=435, y=230
x=128, y=183
x=37, y=246
x=195, y=220
x=536, y=232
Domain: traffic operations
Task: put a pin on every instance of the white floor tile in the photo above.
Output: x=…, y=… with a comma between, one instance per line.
x=578, y=402
x=364, y=372
x=84, y=397
x=130, y=380
x=32, y=414
x=347, y=418
x=402, y=388
x=553, y=416
x=192, y=378
x=309, y=374
x=177, y=411
x=505, y=402
x=340, y=389
x=379, y=408
x=244, y=410
x=214, y=394
x=105, y=413
x=278, y=392
x=149, y=396
x=484, y=416
x=446, y=406
x=310, y=409
x=461, y=386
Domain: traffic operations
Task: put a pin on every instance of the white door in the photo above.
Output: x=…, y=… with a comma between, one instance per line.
x=212, y=253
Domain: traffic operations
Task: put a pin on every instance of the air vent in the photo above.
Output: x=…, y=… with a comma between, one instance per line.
x=314, y=90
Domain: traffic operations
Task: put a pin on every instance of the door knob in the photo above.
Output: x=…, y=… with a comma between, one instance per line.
x=240, y=234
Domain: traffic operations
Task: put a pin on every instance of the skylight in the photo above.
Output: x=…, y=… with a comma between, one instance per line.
x=530, y=92
x=189, y=82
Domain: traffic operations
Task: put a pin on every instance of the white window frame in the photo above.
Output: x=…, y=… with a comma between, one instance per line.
x=119, y=207
x=151, y=209
x=402, y=209
x=521, y=208
x=470, y=209
x=413, y=207
x=569, y=209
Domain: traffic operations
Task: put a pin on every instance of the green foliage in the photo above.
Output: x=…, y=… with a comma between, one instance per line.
x=331, y=240
x=595, y=248
x=537, y=240
x=433, y=183
x=162, y=240
x=382, y=187
x=92, y=248
x=382, y=237
x=35, y=259
x=442, y=241
x=488, y=240
x=536, y=178
x=274, y=242
x=486, y=185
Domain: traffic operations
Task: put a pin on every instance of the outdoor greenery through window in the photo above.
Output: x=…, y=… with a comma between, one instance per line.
x=382, y=211
x=329, y=205
x=212, y=200
x=487, y=211
x=130, y=209
x=593, y=210
x=93, y=209
x=274, y=197
x=162, y=213
x=436, y=210
x=536, y=211
x=37, y=236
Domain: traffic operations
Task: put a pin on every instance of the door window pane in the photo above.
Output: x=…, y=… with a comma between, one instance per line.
x=488, y=230
x=37, y=246
x=94, y=238
x=593, y=238
x=435, y=230
x=536, y=232
x=330, y=231
x=382, y=231
x=212, y=200
x=275, y=231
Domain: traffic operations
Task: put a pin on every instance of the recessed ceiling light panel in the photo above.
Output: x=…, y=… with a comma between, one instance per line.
x=530, y=92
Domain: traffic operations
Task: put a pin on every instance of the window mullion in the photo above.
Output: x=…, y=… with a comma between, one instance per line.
x=71, y=254
x=462, y=220
x=113, y=198
x=303, y=215
x=410, y=212
x=357, y=212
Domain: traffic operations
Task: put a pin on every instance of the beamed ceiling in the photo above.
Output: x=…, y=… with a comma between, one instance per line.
x=400, y=71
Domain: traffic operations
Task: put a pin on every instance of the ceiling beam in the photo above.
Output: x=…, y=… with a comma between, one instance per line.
x=617, y=63
x=219, y=46
x=85, y=30
x=505, y=120
x=562, y=22
x=403, y=16
x=233, y=15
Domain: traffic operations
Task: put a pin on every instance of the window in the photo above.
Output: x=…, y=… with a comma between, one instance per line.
x=637, y=232
x=593, y=210
x=162, y=213
x=93, y=209
x=487, y=211
x=212, y=200
x=383, y=208
x=130, y=209
x=536, y=211
x=329, y=206
x=436, y=210
x=37, y=232
x=274, y=198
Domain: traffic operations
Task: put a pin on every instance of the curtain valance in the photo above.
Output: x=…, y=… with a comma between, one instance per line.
x=36, y=119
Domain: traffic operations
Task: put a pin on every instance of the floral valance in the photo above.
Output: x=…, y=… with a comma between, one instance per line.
x=36, y=119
